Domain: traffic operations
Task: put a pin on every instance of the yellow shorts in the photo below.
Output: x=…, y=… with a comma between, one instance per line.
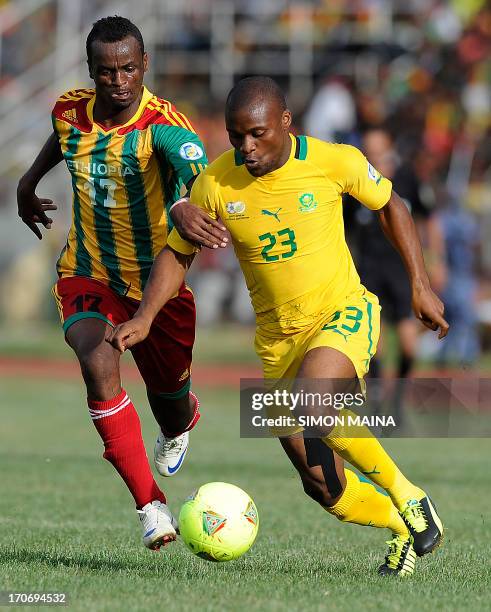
x=353, y=329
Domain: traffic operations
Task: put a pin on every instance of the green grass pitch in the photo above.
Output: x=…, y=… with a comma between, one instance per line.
x=68, y=523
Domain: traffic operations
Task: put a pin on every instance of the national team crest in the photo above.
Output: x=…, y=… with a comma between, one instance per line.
x=307, y=202
x=213, y=522
x=251, y=513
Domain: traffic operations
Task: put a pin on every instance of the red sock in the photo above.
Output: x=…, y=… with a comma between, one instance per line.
x=118, y=424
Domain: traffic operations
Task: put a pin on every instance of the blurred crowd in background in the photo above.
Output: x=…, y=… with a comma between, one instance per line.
x=407, y=82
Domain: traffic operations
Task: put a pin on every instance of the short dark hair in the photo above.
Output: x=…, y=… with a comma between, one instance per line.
x=250, y=89
x=113, y=29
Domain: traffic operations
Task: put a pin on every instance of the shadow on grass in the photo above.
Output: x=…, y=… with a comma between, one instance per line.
x=59, y=560
x=143, y=563
x=187, y=566
x=161, y=565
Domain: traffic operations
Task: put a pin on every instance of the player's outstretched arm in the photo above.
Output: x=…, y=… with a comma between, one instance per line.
x=399, y=227
x=32, y=210
x=167, y=274
x=195, y=225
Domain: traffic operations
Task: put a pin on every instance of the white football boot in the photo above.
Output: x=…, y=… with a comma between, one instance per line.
x=159, y=526
x=169, y=453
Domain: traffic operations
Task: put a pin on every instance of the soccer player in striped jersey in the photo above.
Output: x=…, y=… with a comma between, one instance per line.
x=130, y=154
x=280, y=198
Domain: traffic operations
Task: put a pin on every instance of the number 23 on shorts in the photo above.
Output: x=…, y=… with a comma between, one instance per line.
x=352, y=317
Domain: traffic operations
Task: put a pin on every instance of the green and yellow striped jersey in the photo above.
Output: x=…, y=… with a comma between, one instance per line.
x=124, y=180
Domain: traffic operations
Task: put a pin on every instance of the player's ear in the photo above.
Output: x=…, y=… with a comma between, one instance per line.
x=145, y=62
x=90, y=69
x=286, y=119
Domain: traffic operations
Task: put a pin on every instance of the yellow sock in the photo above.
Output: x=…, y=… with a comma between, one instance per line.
x=367, y=455
x=362, y=504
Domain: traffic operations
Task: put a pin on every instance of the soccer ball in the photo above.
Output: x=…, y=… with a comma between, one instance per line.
x=219, y=522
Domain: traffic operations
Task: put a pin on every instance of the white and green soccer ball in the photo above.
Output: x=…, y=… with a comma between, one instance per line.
x=219, y=522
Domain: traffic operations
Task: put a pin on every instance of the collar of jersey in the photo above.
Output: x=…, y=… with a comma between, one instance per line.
x=146, y=96
x=284, y=168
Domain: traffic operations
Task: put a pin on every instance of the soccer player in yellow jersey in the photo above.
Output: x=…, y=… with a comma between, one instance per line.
x=129, y=154
x=280, y=198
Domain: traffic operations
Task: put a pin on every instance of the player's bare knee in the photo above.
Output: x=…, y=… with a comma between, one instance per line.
x=99, y=366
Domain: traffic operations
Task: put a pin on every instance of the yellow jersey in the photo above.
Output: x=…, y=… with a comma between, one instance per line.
x=287, y=227
x=124, y=179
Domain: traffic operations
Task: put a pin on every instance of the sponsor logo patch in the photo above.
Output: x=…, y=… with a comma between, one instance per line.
x=235, y=208
x=373, y=174
x=70, y=115
x=270, y=213
x=184, y=375
x=190, y=151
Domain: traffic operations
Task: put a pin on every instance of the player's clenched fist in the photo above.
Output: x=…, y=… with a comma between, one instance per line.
x=127, y=334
